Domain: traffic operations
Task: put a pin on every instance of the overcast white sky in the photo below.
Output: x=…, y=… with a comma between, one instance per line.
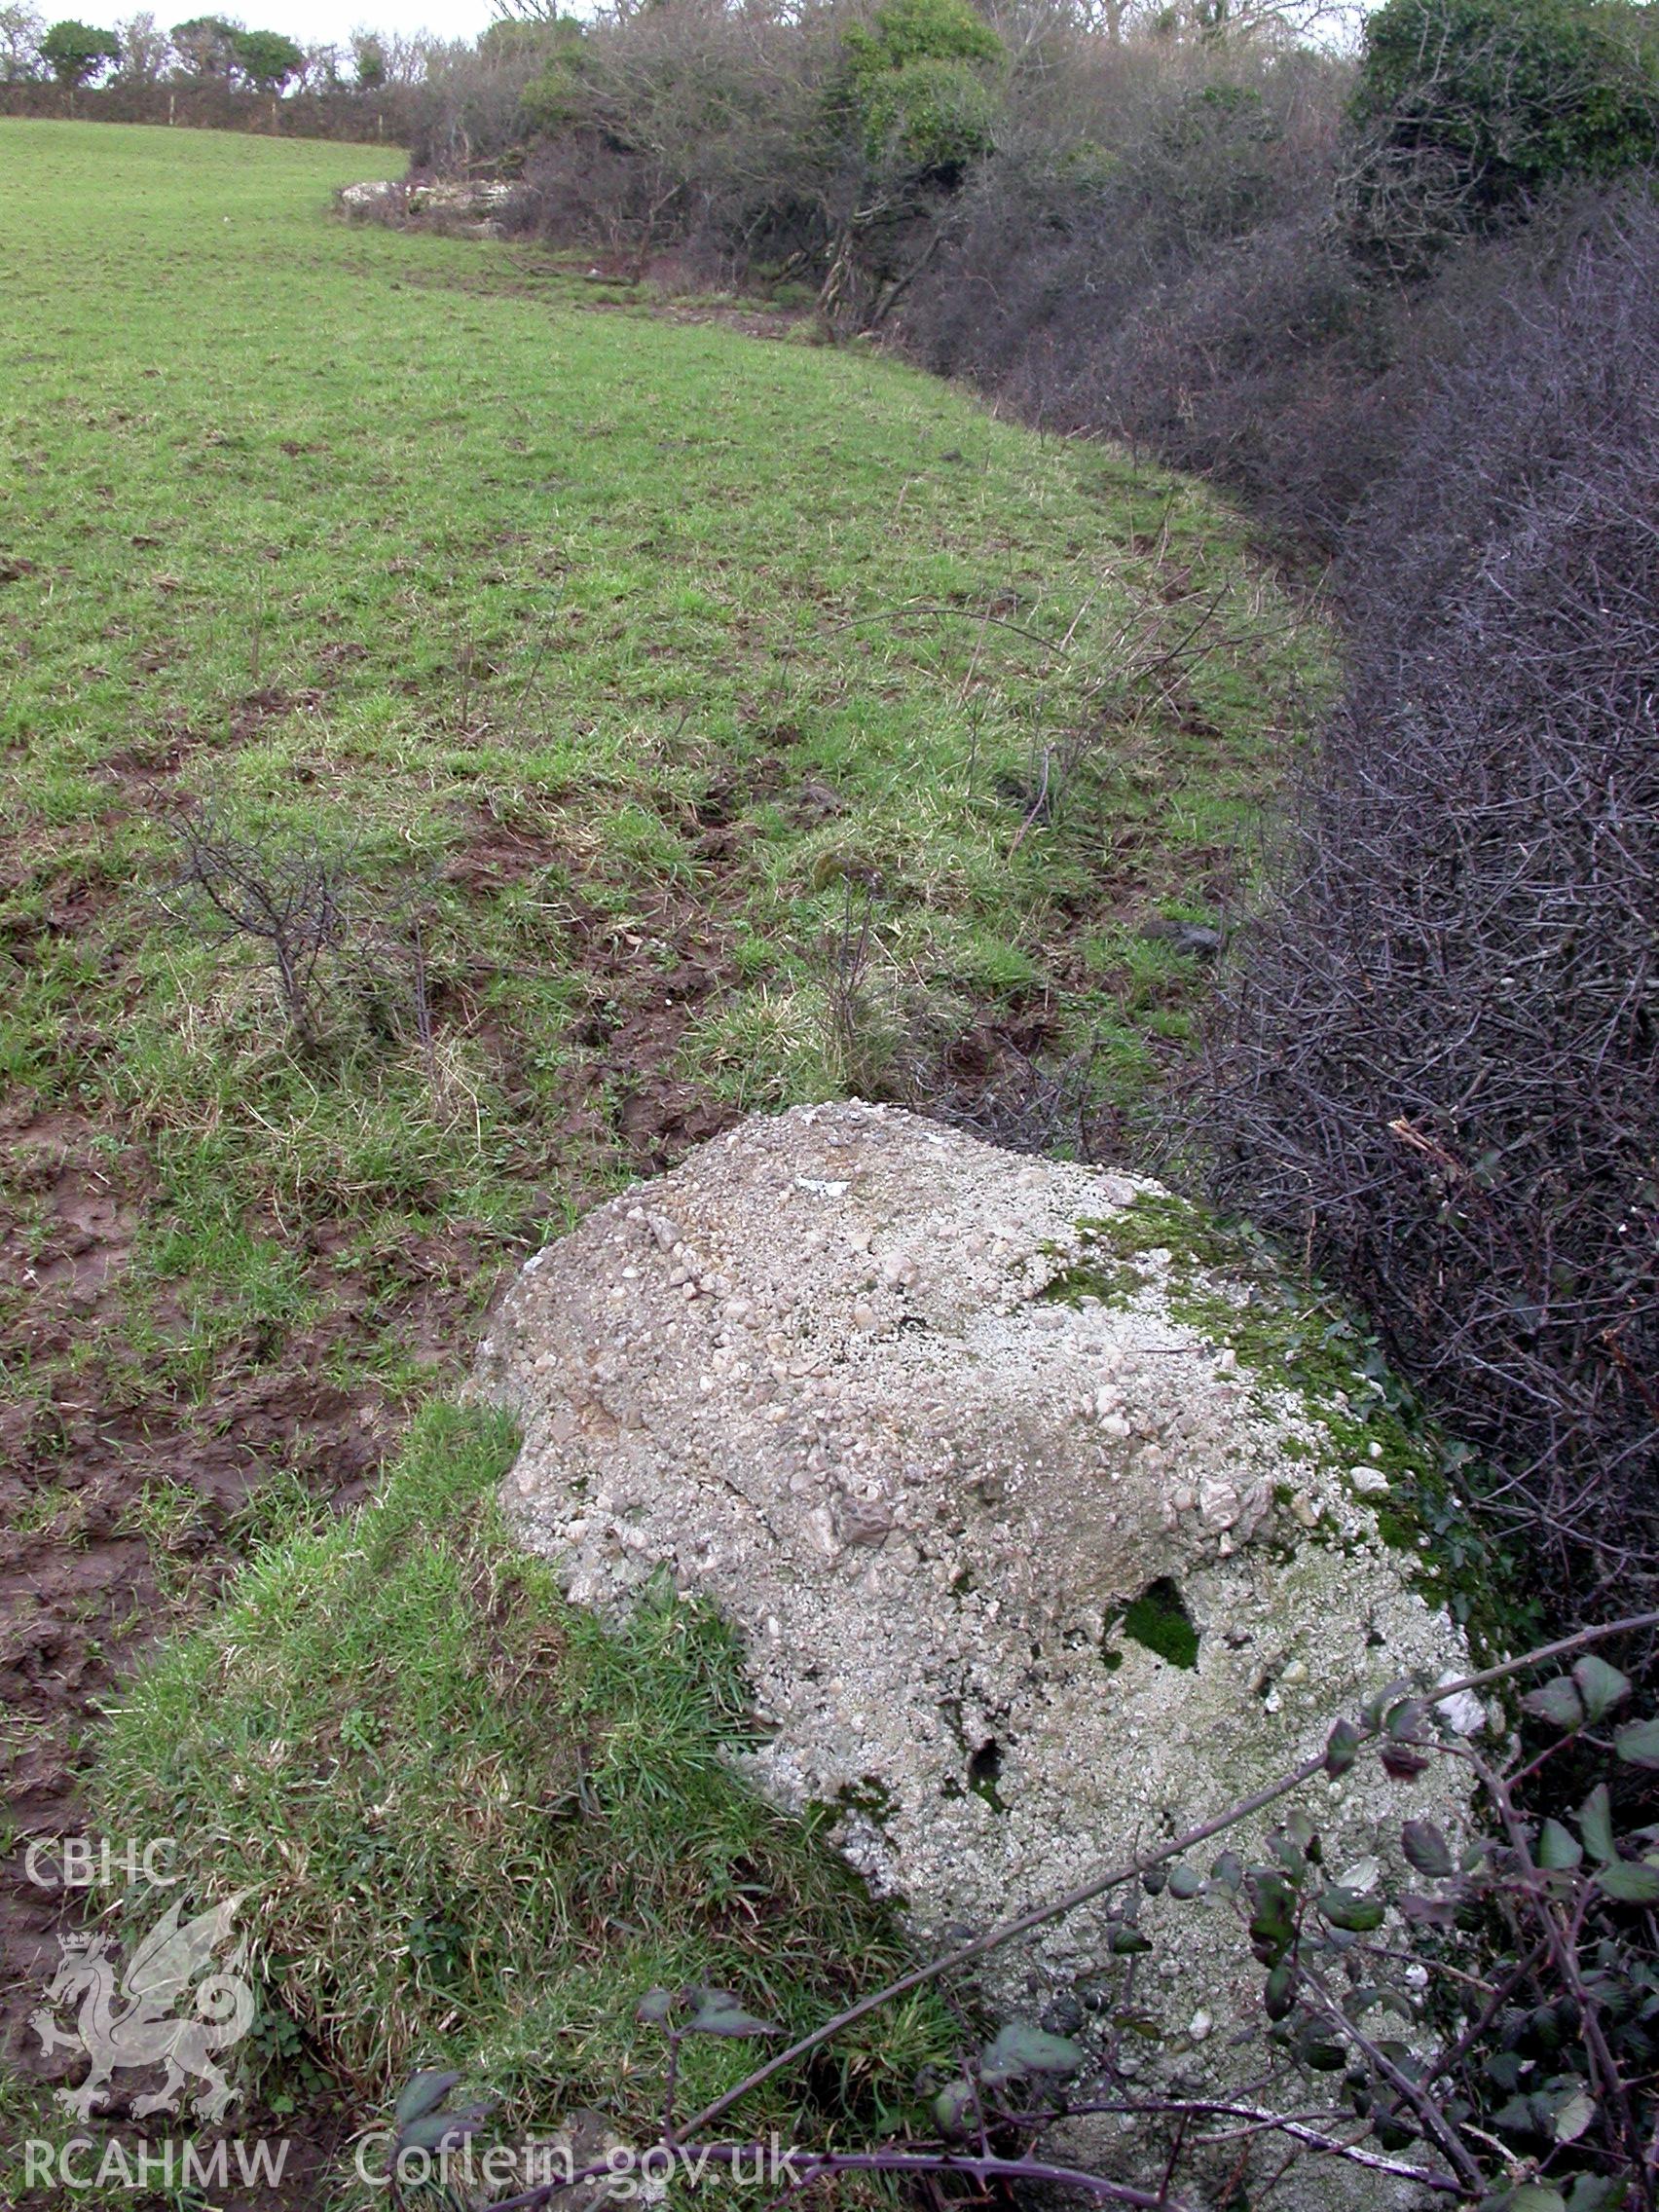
x=327, y=22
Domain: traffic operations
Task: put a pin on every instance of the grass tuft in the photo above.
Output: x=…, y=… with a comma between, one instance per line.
x=477, y=1826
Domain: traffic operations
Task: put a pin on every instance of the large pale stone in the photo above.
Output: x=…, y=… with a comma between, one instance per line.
x=813, y=1374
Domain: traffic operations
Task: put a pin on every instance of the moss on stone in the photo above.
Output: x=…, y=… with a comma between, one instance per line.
x=1160, y=1622
x=1308, y=1342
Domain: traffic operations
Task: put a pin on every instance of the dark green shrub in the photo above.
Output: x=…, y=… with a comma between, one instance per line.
x=266, y=58
x=75, y=51
x=923, y=85
x=1468, y=109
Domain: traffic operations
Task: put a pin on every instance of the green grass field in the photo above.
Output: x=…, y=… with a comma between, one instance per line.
x=650, y=720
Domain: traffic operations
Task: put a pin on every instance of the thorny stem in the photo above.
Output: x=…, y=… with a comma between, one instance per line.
x=983, y=2166
x=1563, y=1955
x=1409, y=2091
x=808, y=2167
x=1039, y=1915
x=1262, y=2120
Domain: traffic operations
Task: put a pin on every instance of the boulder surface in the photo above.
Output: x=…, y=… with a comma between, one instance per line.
x=1032, y=1570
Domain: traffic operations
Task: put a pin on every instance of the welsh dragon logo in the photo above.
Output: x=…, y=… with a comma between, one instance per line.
x=141, y=2022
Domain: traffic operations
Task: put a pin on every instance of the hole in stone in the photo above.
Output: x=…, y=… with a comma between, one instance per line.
x=983, y=1769
x=985, y=1765
x=1160, y=1622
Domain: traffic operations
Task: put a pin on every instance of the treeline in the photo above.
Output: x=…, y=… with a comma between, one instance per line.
x=210, y=59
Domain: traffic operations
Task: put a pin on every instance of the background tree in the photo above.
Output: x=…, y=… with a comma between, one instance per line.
x=75, y=52
x=145, y=49
x=267, y=59
x=319, y=71
x=368, y=61
x=20, y=33
x=204, y=46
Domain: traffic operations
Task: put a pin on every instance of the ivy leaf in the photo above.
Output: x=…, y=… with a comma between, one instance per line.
x=720, y=2014
x=1020, y=2049
x=1558, y=1848
x=1351, y=1909
x=1638, y=1743
x=423, y=2093
x=1426, y=1848
x=1595, y=1825
x=1631, y=1881
x=1599, y=1685
x=1557, y=1702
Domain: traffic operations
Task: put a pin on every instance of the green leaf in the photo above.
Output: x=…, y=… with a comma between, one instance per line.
x=953, y=2108
x=1638, y=1743
x=654, y=2007
x=1380, y=1701
x=1341, y=1748
x=1573, y=2115
x=1557, y=1702
x=1280, y=1995
x=1229, y=1871
x=443, y=2130
x=1595, y=1825
x=1598, y=2193
x=1402, y=1761
x=421, y=2093
x=1531, y=2197
x=1631, y=1881
x=1351, y=1909
x=1020, y=2049
x=1272, y=1923
x=1317, y=2050
x=1426, y=1848
x=1184, y=1882
x=1126, y=1940
x=718, y=2012
x=1599, y=1685
x=1394, y=2130
x=1558, y=1848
